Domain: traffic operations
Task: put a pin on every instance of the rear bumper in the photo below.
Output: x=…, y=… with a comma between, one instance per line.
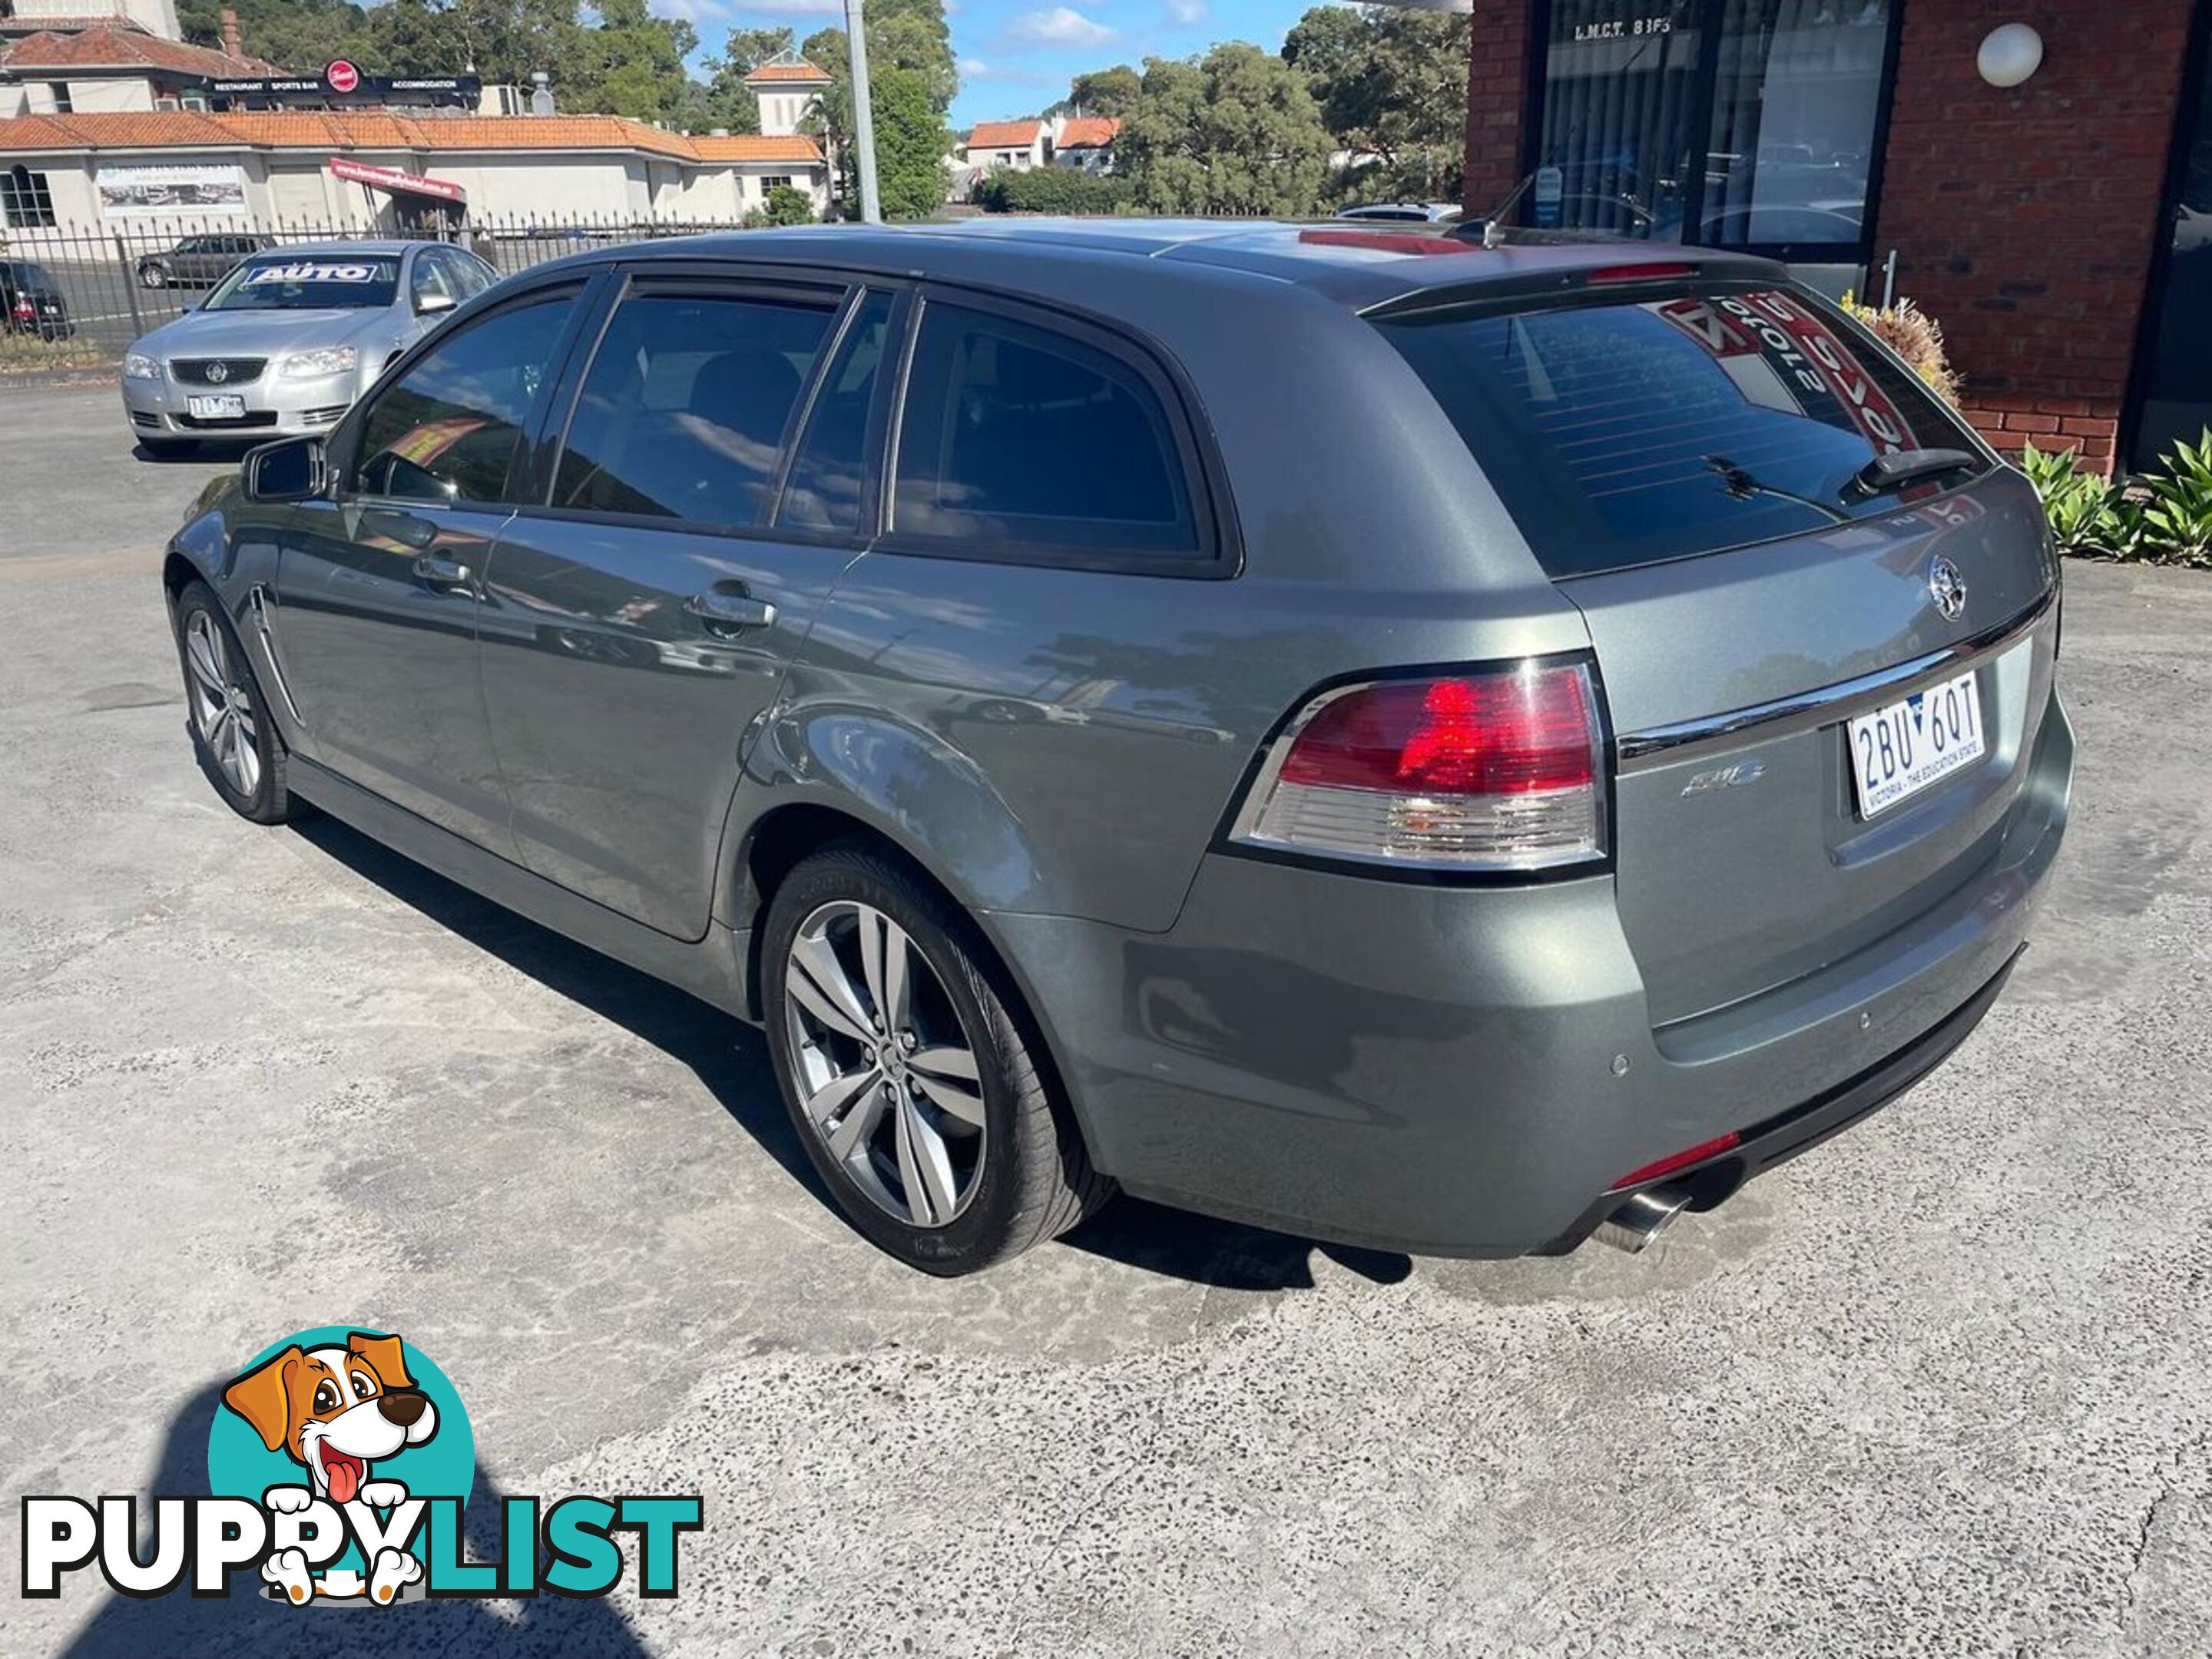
x=1471, y=1071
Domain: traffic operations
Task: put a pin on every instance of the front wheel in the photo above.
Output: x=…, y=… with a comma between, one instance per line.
x=912, y=1084
x=152, y=276
x=235, y=739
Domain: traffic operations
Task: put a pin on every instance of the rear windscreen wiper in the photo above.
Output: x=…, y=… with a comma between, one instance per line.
x=1893, y=471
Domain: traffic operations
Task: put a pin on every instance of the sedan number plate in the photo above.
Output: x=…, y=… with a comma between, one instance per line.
x=1900, y=749
x=217, y=409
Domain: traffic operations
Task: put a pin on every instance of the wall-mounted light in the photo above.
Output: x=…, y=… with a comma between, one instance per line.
x=2010, y=54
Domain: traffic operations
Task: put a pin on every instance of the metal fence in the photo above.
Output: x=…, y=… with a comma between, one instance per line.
x=116, y=284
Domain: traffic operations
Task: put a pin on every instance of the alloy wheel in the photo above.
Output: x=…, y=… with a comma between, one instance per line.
x=223, y=704
x=886, y=1072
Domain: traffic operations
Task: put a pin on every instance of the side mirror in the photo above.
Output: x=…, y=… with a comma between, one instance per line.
x=427, y=304
x=289, y=470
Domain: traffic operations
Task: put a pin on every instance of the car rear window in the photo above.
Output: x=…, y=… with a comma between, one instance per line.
x=1629, y=431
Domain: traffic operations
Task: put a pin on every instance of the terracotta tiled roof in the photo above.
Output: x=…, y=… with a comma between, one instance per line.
x=118, y=48
x=750, y=147
x=1004, y=135
x=333, y=131
x=798, y=72
x=1088, y=130
x=67, y=25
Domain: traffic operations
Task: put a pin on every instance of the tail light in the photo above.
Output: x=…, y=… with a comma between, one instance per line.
x=1492, y=771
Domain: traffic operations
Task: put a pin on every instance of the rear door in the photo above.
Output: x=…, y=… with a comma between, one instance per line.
x=640, y=611
x=1693, y=464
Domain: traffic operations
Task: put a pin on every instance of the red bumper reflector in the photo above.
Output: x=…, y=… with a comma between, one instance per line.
x=1681, y=1160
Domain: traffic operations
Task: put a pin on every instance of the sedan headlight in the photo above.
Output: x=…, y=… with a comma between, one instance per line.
x=136, y=367
x=331, y=359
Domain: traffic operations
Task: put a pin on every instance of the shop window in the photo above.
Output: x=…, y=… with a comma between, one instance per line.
x=1727, y=123
x=25, y=201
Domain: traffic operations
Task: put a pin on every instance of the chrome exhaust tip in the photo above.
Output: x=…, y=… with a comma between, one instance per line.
x=1641, y=1217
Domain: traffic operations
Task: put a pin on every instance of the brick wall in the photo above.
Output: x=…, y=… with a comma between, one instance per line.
x=2025, y=220
x=1497, y=100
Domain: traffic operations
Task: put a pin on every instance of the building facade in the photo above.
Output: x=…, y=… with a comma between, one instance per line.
x=2045, y=192
x=164, y=172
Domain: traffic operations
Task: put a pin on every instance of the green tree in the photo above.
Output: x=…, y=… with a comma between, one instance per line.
x=904, y=36
x=1233, y=131
x=293, y=34
x=1100, y=91
x=911, y=144
x=628, y=63
x=1391, y=84
x=502, y=40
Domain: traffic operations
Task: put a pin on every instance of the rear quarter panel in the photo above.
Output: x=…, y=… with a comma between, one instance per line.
x=1061, y=742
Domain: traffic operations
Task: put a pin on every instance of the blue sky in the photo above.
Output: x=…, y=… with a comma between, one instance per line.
x=1016, y=56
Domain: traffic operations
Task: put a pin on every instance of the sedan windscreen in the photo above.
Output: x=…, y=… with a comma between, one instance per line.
x=1626, y=431
x=305, y=282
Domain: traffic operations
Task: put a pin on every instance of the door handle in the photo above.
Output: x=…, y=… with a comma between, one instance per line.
x=719, y=607
x=435, y=570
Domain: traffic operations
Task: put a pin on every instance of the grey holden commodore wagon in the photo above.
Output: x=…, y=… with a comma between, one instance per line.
x=1438, y=748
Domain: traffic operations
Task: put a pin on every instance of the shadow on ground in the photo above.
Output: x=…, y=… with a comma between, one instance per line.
x=731, y=1060
x=183, y=1624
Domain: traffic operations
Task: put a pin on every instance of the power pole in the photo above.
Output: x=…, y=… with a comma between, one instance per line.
x=864, y=120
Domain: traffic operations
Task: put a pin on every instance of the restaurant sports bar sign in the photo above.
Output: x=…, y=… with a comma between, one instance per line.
x=342, y=81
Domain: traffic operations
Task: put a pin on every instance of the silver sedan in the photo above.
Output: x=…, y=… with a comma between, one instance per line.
x=290, y=338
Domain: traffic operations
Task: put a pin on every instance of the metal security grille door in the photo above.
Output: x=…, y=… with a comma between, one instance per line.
x=1750, y=123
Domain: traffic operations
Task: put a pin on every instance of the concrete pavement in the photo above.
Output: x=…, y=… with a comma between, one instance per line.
x=1938, y=1388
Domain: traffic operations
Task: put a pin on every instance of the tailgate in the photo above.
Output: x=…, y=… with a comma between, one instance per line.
x=1775, y=532
x=1746, y=855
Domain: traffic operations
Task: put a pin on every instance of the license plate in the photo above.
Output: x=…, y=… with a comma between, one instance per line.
x=217, y=409
x=1900, y=749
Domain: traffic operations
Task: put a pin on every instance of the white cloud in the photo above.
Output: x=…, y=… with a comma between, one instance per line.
x=1063, y=25
x=974, y=68
x=1186, y=12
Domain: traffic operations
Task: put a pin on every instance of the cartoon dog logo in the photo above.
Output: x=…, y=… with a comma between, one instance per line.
x=335, y=1411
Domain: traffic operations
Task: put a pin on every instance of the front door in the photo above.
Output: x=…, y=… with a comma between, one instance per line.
x=636, y=623
x=378, y=587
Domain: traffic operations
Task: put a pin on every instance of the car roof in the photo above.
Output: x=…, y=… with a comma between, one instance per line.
x=388, y=248
x=1360, y=265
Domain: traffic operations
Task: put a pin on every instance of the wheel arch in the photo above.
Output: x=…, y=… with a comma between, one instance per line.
x=780, y=838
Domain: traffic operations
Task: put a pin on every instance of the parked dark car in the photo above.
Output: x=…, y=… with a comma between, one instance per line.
x=1443, y=749
x=198, y=261
x=31, y=301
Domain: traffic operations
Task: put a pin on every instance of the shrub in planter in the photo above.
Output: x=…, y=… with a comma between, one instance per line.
x=1915, y=336
x=2176, y=508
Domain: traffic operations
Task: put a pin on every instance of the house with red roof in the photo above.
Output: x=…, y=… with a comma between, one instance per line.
x=179, y=171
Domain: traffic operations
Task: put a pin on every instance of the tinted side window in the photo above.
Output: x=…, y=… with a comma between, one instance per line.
x=447, y=430
x=827, y=473
x=1627, y=432
x=469, y=274
x=1018, y=434
x=429, y=277
x=683, y=413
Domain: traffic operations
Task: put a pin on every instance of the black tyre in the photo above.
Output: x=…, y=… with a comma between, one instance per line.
x=232, y=733
x=152, y=276
x=909, y=1071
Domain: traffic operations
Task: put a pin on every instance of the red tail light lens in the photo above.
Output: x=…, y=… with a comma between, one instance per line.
x=1495, y=771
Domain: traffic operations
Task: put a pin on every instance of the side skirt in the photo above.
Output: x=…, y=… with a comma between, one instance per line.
x=711, y=968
